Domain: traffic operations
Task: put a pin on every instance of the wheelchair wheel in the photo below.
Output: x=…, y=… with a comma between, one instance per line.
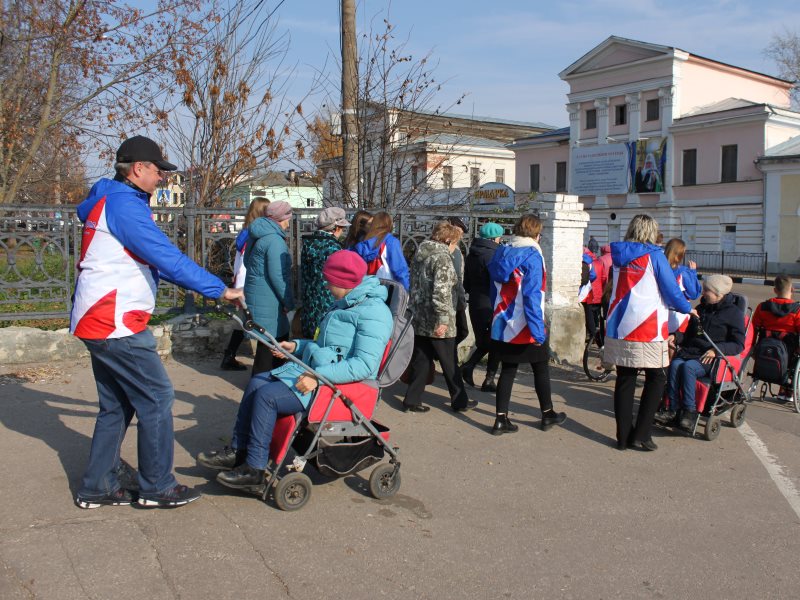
x=737, y=415
x=293, y=491
x=796, y=386
x=592, y=361
x=711, y=431
x=384, y=481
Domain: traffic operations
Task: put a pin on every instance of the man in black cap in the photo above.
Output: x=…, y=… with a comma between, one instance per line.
x=123, y=256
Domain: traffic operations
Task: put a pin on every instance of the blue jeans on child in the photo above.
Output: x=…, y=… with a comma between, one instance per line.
x=265, y=399
x=683, y=375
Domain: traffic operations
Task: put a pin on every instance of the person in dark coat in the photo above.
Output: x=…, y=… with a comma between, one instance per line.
x=477, y=284
x=317, y=247
x=723, y=322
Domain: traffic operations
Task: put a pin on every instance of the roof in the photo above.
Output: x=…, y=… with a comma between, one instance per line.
x=556, y=135
x=720, y=106
x=450, y=139
x=789, y=148
x=648, y=50
x=485, y=119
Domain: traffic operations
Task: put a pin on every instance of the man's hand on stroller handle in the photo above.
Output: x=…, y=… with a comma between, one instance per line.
x=289, y=346
x=306, y=382
x=233, y=294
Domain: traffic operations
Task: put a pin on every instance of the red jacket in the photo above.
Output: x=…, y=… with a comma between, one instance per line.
x=778, y=314
x=602, y=267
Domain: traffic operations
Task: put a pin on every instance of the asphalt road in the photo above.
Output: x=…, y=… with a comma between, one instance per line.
x=557, y=514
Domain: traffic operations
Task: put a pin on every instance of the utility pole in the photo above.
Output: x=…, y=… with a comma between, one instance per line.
x=349, y=105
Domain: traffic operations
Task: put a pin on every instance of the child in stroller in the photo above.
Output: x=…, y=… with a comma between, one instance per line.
x=348, y=347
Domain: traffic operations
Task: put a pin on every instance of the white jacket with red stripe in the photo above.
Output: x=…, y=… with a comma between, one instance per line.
x=123, y=255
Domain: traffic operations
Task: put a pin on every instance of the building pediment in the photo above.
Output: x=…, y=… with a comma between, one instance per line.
x=613, y=52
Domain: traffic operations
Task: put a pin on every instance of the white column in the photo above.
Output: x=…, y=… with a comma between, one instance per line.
x=601, y=105
x=666, y=96
x=574, y=110
x=634, y=126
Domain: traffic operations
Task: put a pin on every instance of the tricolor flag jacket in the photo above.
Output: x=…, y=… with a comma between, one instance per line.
x=519, y=278
x=123, y=255
x=644, y=289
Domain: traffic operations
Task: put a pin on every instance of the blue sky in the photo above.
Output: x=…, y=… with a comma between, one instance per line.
x=506, y=54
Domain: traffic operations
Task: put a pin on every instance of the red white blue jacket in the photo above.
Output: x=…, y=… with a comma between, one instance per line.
x=239, y=270
x=384, y=260
x=690, y=286
x=519, y=277
x=123, y=254
x=586, y=287
x=644, y=289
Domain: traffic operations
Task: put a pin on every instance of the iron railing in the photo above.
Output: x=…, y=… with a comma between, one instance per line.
x=729, y=263
x=40, y=247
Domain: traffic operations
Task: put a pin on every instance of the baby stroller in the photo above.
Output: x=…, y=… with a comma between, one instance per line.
x=337, y=434
x=722, y=391
x=776, y=360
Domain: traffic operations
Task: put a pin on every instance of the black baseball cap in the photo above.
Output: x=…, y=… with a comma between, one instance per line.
x=142, y=149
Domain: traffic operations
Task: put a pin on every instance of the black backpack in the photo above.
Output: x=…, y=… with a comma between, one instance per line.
x=771, y=360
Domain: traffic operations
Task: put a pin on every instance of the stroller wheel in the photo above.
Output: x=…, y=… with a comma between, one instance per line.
x=712, y=428
x=737, y=415
x=293, y=491
x=384, y=481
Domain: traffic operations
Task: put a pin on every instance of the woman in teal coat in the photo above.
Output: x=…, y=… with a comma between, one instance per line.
x=268, y=284
x=351, y=342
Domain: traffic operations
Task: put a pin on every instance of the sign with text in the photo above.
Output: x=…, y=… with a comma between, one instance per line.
x=600, y=170
x=494, y=195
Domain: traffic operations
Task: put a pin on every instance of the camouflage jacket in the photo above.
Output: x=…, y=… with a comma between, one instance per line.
x=434, y=289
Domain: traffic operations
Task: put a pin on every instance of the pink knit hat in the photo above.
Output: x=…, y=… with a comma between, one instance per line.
x=279, y=211
x=344, y=269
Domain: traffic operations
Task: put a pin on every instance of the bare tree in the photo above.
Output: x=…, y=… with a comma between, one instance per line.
x=84, y=70
x=784, y=49
x=398, y=108
x=233, y=116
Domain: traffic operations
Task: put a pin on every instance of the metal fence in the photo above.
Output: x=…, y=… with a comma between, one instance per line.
x=40, y=247
x=729, y=263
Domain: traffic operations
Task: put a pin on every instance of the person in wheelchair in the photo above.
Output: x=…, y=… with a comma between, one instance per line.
x=723, y=321
x=780, y=317
x=348, y=347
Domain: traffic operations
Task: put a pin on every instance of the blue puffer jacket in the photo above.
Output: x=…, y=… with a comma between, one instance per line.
x=351, y=342
x=268, y=284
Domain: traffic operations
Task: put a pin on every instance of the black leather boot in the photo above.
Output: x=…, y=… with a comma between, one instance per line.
x=466, y=373
x=488, y=383
x=229, y=363
x=243, y=476
x=503, y=425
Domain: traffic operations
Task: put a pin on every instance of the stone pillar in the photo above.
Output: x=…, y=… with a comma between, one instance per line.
x=634, y=127
x=562, y=244
x=601, y=105
x=667, y=107
x=574, y=110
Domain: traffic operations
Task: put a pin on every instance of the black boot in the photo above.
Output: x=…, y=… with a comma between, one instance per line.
x=222, y=460
x=466, y=373
x=229, y=363
x=488, y=383
x=243, y=476
x=688, y=420
x=503, y=425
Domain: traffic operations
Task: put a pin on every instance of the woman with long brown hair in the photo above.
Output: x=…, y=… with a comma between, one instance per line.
x=358, y=229
x=382, y=251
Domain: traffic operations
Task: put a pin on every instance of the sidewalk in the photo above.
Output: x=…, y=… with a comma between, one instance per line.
x=557, y=514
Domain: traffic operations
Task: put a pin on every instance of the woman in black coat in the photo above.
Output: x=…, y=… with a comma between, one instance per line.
x=477, y=285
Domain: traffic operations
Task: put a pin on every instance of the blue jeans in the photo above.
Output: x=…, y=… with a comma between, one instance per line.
x=130, y=380
x=265, y=398
x=683, y=375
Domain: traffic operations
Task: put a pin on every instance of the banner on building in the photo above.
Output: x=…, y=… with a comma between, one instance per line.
x=648, y=159
x=600, y=170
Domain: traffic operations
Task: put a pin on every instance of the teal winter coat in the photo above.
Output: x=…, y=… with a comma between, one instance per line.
x=268, y=284
x=351, y=342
